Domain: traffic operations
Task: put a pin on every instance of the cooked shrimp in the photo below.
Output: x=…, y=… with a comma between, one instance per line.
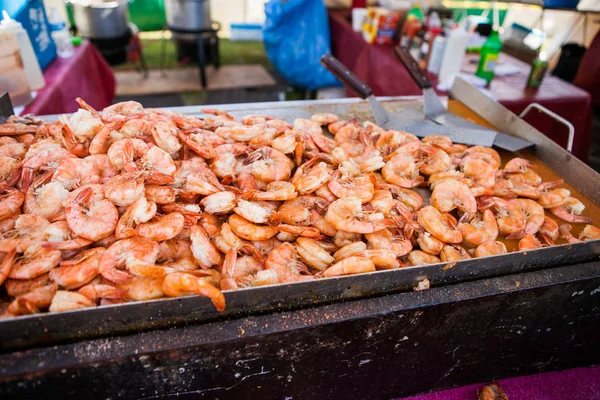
x=160, y=194
x=590, y=232
x=10, y=200
x=382, y=201
x=451, y=253
x=553, y=198
x=549, y=231
x=250, y=231
x=382, y=258
x=429, y=243
x=203, y=182
x=253, y=211
x=161, y=228
x=402, y=170
x=32, y=302
x=283, y=260
x=6, y=265
x=418, y=257
x=570, y=211
x=91, y=220
x=29, y=229
x=534, y=214
x=518, y=165
x=347, y=215
x=198, y=144
x=34, y=262
x=64, y=300
x=72, y=173
x=125, y=151
x=268, y=165
x=182, y=284
x=310, y=176
x=203, y=250
x=478, y=231
x=297, y=211
x=450, y=194
x=79, y=270
x=313, y=253
x=408, y=197
x=165, y=137
x=511, y=218
x=482, y=173
x=324, y=118
x=491, y=248
x=360, y=187
x=305, y=231
x=384, y=239
x=219, y=203
x=433, y=222
x=349, y=266
x=487, y=154
x=45, y=200
x=124, y=253
x=529, y=242
x=434, y=160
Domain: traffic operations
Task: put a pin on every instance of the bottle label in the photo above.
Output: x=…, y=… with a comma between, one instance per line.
x=490, y=62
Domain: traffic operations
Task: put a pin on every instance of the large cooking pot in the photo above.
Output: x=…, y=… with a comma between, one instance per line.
x=188, y=15
x=97, y=19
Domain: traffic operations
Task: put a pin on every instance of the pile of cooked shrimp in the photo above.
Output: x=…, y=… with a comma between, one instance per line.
x=137, y=204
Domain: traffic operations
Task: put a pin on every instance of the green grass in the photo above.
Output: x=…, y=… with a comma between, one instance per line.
x=231, y=53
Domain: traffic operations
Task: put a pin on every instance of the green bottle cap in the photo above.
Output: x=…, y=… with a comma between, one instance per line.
x=76, y=41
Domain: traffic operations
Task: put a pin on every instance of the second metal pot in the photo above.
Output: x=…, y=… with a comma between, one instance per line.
x=101, y=20
x=188, y=15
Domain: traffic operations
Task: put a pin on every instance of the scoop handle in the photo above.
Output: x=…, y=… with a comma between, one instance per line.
x=349, y=80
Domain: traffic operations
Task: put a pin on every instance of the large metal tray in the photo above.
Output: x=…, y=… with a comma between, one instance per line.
x=46, y=329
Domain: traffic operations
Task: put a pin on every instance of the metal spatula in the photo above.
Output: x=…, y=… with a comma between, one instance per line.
x=435, y=110
x=409, y=121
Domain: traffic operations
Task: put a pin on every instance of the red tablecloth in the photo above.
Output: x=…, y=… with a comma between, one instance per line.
x=84, y=75
x=379, y=68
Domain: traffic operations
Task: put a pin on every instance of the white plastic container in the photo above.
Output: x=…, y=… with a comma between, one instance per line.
x=13, y=78
x=438, y=49
x=60, y=34
x=33, y=71
x=456, y=46
x=246, y=33
x=358, y=18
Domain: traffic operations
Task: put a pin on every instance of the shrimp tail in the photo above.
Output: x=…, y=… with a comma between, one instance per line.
x=546, y=238
x=516, y=235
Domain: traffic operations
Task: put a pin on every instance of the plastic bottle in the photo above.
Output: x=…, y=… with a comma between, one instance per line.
x=539, y=66
x=35, y=78
x=13, y=78
x=60, y=34
x=456, y=46
x=436, y=54
x=489, y=57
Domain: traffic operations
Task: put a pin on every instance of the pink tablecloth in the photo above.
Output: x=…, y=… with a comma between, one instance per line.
x=379, y=68
x=84, y=75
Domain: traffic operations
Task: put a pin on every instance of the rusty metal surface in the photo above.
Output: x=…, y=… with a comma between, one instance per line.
x=44, y=329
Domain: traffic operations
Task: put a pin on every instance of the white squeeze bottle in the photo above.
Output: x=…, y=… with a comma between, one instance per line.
x=30, y=62
x=456, y=46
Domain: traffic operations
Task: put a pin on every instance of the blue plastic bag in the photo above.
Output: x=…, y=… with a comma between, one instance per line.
x=296, y=36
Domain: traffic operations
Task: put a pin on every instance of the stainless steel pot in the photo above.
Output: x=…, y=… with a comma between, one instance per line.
x=101, y=19
x=188, y=15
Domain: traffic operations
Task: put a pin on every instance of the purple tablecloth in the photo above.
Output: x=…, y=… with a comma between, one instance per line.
x=572, y=384
x=84, y=75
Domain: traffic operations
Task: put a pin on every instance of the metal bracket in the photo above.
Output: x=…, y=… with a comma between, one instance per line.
x=554, y=116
